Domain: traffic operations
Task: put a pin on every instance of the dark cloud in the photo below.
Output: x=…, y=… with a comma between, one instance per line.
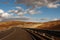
x=37, y=3
x=52, y=0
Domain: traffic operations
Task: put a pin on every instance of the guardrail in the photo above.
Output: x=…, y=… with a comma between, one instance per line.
x=55, y=33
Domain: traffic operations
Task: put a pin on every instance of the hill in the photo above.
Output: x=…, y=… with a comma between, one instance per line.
x=18, y=24
x=52, y=25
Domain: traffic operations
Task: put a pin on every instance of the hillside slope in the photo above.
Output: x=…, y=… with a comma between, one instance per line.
x=52, y=25
x=19, y=24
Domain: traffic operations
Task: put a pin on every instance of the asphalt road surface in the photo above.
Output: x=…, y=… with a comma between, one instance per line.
x=17, y=33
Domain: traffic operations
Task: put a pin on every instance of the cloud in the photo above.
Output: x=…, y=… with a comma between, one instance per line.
x=51, y=5
x=1, y=11
x=39, y=3
x=13, y=11
x=21, y=14
x=44, y=19
x=20, y=11
x=7, y=17
x=17, y=12
x=16, y=18
x=20, y=8
x=56, y=19
x=4, y=14
x=32, y=11
x=20, y=18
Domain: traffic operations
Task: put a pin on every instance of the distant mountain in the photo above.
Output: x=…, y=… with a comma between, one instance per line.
x=52, y=25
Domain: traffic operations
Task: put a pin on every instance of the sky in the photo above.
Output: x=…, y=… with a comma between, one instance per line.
x=41, y=10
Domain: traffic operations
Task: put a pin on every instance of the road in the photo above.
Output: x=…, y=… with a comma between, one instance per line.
x=17, y=33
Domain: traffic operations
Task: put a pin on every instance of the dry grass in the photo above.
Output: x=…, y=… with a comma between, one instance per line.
x=53, y=25
x=18, y=24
